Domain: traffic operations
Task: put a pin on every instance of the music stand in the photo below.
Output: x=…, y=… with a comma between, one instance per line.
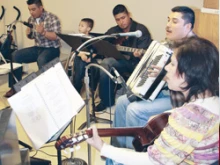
x=100, y=47
x=18, y=87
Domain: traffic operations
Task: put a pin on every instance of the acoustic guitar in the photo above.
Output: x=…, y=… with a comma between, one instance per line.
x=143, y=136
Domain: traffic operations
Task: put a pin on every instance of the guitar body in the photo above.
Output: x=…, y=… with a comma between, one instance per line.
x=143, y=136
x=156, y=125
x=118, y=41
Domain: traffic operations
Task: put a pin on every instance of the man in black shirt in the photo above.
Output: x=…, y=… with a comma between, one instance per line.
x=124, y=24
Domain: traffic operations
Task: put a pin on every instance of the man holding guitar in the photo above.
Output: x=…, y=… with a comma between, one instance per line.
x=124, y=24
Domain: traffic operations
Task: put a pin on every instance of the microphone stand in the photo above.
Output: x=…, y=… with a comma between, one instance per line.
x=86, y=81
x=72, y=160
x=93, y=116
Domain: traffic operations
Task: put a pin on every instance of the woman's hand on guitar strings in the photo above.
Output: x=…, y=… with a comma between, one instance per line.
x=95, y=140
x=137, y=54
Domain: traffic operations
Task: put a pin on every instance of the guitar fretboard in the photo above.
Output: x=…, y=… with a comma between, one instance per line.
x=129, y=49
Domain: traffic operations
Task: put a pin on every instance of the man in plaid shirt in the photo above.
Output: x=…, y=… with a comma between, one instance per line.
x=44, y=26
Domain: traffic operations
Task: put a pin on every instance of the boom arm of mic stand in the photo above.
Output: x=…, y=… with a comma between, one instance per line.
x=86, y=42
x=86, y=81
x=93, y=39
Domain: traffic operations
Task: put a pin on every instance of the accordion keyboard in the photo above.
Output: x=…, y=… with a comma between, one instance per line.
x=139, y=82
x=144, y=74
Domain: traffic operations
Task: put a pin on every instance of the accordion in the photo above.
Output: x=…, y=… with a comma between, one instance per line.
x=139, y=83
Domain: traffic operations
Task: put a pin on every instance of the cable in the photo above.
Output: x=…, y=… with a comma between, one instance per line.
x=50, y=154
x=34, y=154
x=46, y=154
x=47, y=146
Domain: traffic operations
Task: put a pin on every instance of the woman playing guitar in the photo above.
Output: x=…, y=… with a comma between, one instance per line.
x=192, y=133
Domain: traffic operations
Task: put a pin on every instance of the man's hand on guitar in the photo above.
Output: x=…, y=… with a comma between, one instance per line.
x=95, y=140
x=137, y=53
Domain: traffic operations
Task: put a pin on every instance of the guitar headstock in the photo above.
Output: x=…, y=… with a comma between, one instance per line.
x=71, y=140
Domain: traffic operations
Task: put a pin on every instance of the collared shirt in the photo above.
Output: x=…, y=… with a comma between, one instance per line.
x=51, y=23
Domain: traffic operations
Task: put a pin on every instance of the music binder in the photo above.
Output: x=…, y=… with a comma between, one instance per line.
x=45, y=103
x=100, y=47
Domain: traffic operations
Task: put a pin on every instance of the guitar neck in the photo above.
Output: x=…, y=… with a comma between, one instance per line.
x=106, y=132
x=68, y=141
x=129, y=49
x=125, y=49
x=143, y=136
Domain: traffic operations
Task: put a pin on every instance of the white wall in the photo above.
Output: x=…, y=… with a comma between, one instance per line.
x=152, y=13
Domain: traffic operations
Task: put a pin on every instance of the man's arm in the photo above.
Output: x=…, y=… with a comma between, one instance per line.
x=56, y=28
x=49, y=35
x=144, y=41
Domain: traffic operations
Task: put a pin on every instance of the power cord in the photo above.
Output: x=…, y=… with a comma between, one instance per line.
x=36, y=152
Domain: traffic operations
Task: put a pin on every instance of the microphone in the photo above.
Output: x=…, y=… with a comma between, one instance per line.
x=119, y=79
x=27, y=24
x=137, y=34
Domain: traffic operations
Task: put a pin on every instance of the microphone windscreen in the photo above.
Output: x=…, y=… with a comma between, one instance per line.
x=138, y=33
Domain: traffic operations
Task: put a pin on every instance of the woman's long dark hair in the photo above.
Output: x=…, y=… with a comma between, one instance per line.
x=198, y=59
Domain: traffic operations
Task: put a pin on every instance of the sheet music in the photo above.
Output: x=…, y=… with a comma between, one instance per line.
x=46, y=104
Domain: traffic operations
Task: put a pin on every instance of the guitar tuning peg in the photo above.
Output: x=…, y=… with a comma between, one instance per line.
x=74, y=140
x=86, y=136
x=71, y=149
x=77, y=147
x=65, y=151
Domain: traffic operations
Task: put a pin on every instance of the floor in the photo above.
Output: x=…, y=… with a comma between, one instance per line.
x=48, y=151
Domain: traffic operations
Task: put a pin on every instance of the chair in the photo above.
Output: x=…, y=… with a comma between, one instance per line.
x=8, y=46
x=6, y=67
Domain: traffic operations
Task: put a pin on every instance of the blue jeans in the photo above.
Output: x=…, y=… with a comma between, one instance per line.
x=111, y=162
x=33, y=54
x=136, y=114
x=107, y=86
